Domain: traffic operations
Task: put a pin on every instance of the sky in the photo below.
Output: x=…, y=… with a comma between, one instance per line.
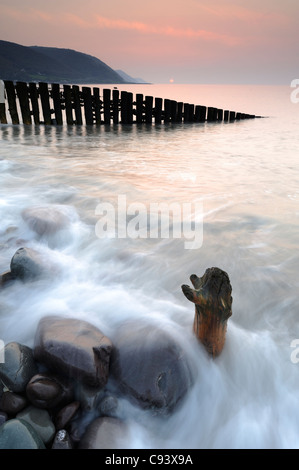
x=165, y=41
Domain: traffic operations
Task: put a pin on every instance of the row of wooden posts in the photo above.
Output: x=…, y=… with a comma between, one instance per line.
x=56, y=104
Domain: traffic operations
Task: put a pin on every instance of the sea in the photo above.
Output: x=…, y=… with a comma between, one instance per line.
x=238, y=183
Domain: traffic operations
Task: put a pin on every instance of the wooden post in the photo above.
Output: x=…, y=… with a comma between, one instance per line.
x=158, y=110
x=186, y=112
x=115, y=106
x=3, y=119
x=77, y=104
x=173, y=110
x=213, y=307
x=55, y=93
x=226, y=115
x=212, y=112
x=123, y=107
x=23, y=95
x=219, y=114
x=167, y=110
x=139, y=108
x=96, y=101
x=88, y=109
x=232, y=115
x=87, y=100
x=107, y=105
x=44, y=94
x=33, y=94
x=180, y=112
x=191, y=112
x=68, y=104
x=130, y=107
x=149, y=109
x=12, y=105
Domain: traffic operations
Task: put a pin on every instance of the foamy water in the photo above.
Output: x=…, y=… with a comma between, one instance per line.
x=246, y=176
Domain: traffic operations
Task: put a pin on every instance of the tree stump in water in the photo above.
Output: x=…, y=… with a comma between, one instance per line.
x=213, y=307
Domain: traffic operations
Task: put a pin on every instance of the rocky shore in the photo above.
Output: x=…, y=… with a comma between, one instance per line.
x=65, y=391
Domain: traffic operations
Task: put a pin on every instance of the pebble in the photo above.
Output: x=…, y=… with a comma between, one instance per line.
x=18, y=368
x=18, y=434
x=40, y=421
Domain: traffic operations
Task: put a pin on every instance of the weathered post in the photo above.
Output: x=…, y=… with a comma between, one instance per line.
x=130, y=107
x=167, y=110
x=158, y=110
x=86, y=95
x=33, y=94
x=149, y=109
x=55, y=93
x=12, y=105
x=77, y=104
x=107, y=105
x=180, y=111
x=115, y=106
x=23, y=95
x=96, y=102
x=173, y=110
x=213, y=307
x=139, y=108
x=68, y=104
x=3, y=119
x=124, y=107
x=44, y=95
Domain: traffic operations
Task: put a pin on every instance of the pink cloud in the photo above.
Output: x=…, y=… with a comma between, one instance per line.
x=107, y=23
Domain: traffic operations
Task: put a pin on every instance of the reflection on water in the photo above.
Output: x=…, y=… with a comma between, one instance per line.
x=246, y=175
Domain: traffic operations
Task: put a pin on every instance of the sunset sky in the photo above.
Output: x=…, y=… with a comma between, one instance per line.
x=187, y=41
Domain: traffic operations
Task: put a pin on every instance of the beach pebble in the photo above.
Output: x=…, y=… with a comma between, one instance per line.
x=3, y=417
x=62, y=440
x=109, y=406
x=46, y=219
x=105, y=433
x=74, y=348
x=149, y=366
x=40, y=421
x=18, y=434
x=48, y=391
x=18, y=368
x=28, y=264
x=12, y=403
x=65, y=415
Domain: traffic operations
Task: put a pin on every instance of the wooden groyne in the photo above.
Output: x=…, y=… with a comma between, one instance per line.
x=55, y=104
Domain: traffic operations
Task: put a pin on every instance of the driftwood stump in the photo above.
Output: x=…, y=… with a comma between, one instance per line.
x=213, y=307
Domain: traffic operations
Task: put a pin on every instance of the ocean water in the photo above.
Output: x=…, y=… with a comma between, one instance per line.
x=244, y=178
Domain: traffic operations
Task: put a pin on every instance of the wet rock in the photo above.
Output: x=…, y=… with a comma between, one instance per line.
x=18, y=368
x=46, y=219
x=5, y=278
x=109, y=406
x=105, y=433
x=48, y=391
x=12, y=403
x=28, y=264
x=3, y=417
x=40, y=421
x=18, y=434
x=62, y=440
x=66, y=414
x=150, y=367
x=74, y=348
